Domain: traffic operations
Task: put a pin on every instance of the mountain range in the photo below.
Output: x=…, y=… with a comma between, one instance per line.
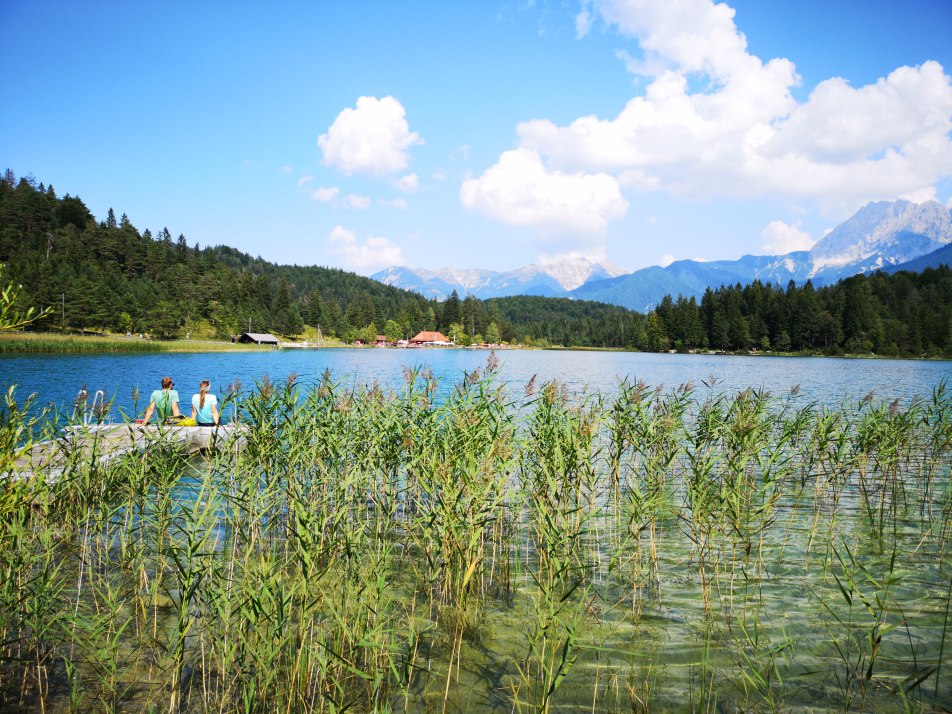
x=551, y=279
x=884, y=235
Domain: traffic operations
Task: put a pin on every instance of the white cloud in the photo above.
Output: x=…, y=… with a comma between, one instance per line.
x=374, y=253
x=374, y=138
x=521, y=191
x=305, y=180
x=921, y=196
x=286, y=169
x=358, y=203
x=665, y=260
x=781, y=238
x=439, y=175
x=394, y=203
x=583, y=23
x=714, y=120
x=324, y=195
x=408, y=184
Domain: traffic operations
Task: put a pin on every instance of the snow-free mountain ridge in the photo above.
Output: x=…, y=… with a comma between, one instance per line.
x=883, y=235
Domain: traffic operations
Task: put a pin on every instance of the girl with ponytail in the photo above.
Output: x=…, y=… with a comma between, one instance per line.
x=205, y=406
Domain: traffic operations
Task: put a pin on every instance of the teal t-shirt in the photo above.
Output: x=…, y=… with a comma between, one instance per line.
x=163, y=402
x=203, y=415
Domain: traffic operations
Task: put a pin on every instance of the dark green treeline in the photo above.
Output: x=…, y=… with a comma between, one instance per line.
x=108, y=275
x=906, y=314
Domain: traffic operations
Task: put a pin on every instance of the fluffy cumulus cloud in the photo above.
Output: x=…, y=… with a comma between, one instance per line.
x=374, y=253
x=372, y=138
x=521, y=190
x=713, y=120
x=781, y=238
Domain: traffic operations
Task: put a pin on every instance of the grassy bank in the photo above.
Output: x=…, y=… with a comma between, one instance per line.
x=48, y=342
x=381, y=551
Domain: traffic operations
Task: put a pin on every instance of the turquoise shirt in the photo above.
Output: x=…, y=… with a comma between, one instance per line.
x=203, y=415
x=163, y=402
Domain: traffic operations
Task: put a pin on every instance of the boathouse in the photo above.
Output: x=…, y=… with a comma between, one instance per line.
x=259, y=338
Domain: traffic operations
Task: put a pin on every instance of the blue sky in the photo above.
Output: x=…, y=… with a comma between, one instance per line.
x=486, y=134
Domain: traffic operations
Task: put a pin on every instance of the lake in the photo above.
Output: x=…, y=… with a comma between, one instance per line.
x=56, y=379
x=469, y=553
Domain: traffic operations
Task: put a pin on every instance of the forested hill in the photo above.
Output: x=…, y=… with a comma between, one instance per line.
x=108, y=275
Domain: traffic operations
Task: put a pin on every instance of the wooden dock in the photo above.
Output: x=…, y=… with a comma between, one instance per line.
x=104, y=442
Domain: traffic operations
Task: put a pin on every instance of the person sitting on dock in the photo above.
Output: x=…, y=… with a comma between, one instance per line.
x=205, y=406
x=163, y=401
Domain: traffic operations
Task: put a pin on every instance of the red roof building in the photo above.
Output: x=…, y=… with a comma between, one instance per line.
x=430, y=338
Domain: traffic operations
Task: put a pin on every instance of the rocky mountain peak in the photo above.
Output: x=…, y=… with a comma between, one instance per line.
x=892, y=231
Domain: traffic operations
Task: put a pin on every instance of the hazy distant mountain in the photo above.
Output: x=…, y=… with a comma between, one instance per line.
x=644, y=288
x=552, y=279
x=943, y=256
x=879, y=235
x=882, y=234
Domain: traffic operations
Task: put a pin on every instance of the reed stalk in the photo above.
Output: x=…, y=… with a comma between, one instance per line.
x=454, y=547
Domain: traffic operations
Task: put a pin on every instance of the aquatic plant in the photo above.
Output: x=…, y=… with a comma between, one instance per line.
x=414, y=549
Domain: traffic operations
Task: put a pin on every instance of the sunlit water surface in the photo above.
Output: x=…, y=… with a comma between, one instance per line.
x=56, y=379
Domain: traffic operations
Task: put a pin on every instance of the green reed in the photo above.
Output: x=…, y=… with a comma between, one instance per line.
x=430, y=548
x=51, y=343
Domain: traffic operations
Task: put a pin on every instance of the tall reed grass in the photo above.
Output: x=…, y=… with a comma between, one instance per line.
x=481, y=548
x=51, y=343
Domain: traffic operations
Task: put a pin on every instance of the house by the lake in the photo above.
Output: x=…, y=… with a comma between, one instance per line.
x=259, y=338
x=430, y=338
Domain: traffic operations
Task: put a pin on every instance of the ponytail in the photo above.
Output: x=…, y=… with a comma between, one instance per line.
x=202, y=391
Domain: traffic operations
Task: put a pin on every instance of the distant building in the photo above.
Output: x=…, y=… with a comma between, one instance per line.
x=259, y=338
x=430, y=338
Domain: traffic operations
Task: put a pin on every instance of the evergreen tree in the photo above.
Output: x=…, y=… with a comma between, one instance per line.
x=314, y=311
x=452, y=312
x=181, y=249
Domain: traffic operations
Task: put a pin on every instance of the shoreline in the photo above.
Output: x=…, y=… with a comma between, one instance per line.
x=22, y=343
